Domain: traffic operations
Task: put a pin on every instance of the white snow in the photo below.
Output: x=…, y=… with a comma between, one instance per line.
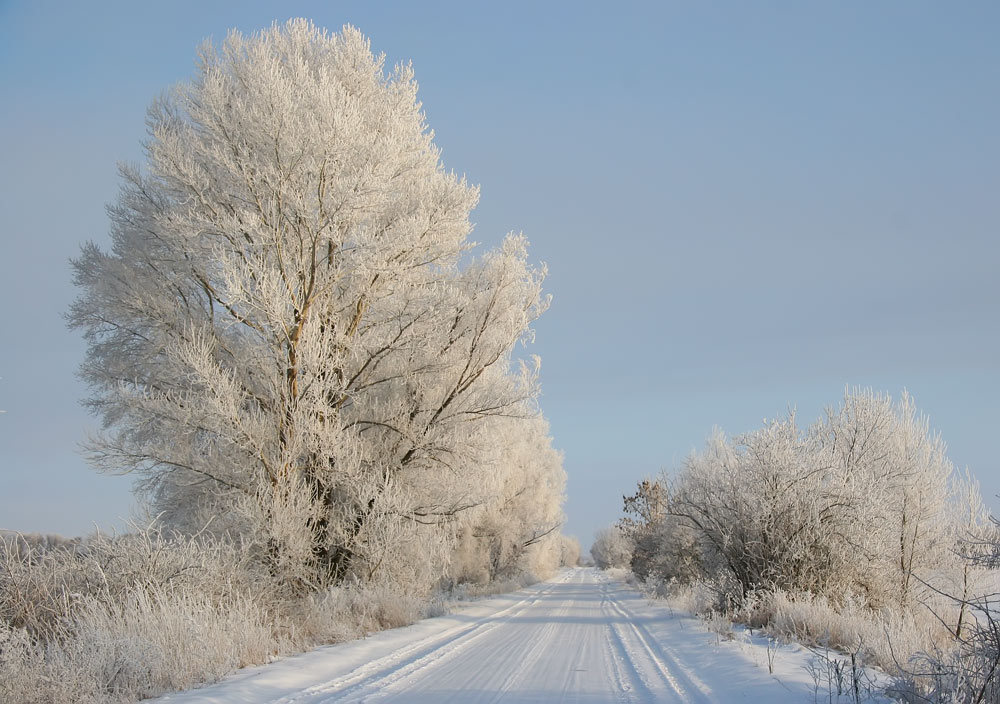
x=580, y=637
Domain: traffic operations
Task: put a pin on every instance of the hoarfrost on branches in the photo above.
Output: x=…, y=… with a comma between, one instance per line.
x=284, y=342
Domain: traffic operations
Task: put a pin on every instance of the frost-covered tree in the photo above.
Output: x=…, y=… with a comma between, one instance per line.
x=901, y=487
x=664, y=545
x=611, y=548
x=645, y=515
x=516, y=530
x=288, y=338
x=975, y=539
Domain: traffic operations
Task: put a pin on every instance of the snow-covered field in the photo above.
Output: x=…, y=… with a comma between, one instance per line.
x=580, y=637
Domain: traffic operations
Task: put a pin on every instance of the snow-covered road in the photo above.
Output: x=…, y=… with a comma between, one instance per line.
x=580, y=637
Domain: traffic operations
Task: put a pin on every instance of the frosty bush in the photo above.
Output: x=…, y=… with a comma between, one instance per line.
x=967, y=668
x=122, y=618
x=117, y=619
x=863, y=502
x=850, y=533
x=40, y=588
x=346, y=612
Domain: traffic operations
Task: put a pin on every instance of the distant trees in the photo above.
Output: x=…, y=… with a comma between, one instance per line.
x=611, y=548
x=22, y=544
x=288, y=340
x=569, y=551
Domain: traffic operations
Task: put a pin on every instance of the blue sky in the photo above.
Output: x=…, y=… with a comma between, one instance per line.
x=744, y=207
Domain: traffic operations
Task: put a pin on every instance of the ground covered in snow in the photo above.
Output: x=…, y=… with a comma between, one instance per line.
x=580, y=637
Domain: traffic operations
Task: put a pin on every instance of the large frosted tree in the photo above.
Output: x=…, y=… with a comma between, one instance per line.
x=290, y=338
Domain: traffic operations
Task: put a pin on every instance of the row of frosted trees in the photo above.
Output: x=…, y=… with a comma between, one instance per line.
x=862, y=508
x=865, y=501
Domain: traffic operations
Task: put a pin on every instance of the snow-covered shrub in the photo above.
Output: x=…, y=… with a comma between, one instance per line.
x=645, y=515
x=23, y=670
x=862, y=502
x=669, y=550
x=156, y=641
x=148, y=644
x=21, y=543
x=349, y=611
x=40, y=589
x=126, y=617
x=850, y=533
x=720, y=624
x=967, y=667
x=383, y=606
x=697, y=597
x=887, y=637
x=472, y=590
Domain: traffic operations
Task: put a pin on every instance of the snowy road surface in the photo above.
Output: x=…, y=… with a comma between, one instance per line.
x=580, y=637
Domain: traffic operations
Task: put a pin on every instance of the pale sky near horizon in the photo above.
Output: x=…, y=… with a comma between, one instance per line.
x=744, y=207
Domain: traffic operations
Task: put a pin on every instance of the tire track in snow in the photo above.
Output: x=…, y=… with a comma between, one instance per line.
x=688, y=686
x=398, y=681
x=531, y=655
x=626, y=675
